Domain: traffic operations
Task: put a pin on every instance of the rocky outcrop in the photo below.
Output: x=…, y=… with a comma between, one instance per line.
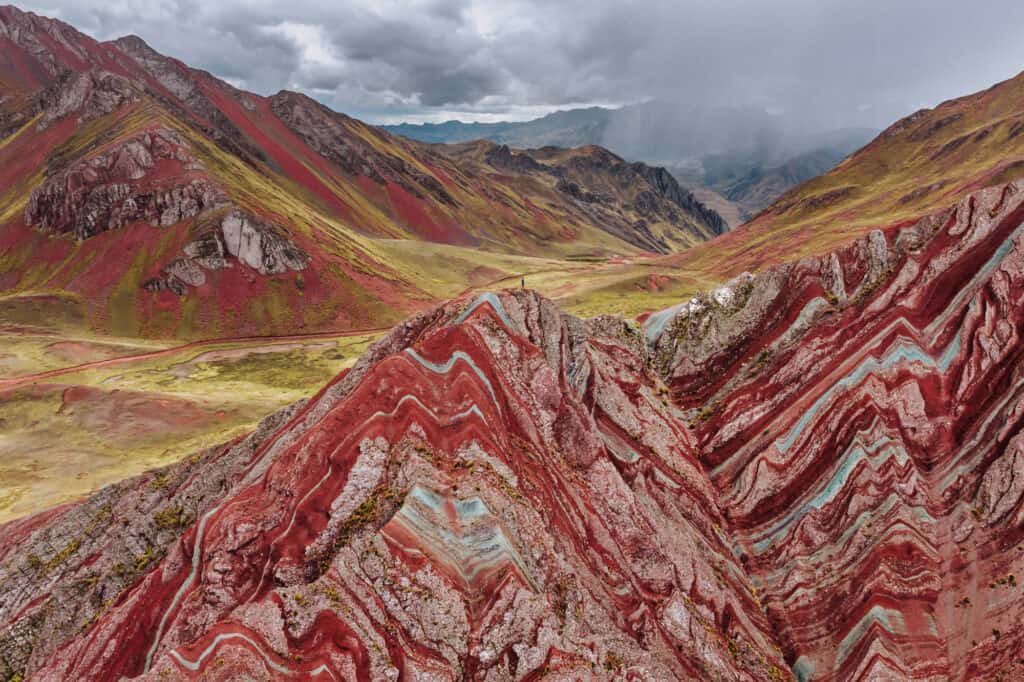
x=89, y=94
x=153, y=177
x=349, y=144
x=181, y=88
x=253, y=243
x=501, y=157
x=122, y=184
x=48, y=41
x=576, y=192
x=239, y=235
x=595, y=175
x=668, y=187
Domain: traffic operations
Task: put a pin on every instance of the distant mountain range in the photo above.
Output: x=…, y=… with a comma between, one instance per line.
x=925, y=161
x=569, y=128
x=746, y=156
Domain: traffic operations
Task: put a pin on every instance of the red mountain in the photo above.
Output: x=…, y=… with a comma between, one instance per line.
x=815, y=472
x=165, y=202
x=816, y=469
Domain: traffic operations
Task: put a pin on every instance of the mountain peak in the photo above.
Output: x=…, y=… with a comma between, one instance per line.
x=133, y=43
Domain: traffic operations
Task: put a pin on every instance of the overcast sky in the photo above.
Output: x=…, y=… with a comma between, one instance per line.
x=832, y=63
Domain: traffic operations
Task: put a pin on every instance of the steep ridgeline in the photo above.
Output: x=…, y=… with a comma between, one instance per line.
x=861, y=416
x=125, y=175
x=813, y=473
x=495, y=491
x=920, y=164
x=602, y=183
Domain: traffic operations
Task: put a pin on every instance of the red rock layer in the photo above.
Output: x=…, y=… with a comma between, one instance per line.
x=861, y=418
x=496, y=491
x=814, y=472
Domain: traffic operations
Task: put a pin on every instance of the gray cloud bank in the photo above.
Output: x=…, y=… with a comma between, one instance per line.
x=823, y=63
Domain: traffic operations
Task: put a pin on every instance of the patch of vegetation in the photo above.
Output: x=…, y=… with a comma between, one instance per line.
x=138, y=563
x=761, y=361
x=171, y=518
x=159, y=481
x=706, y=412
x=60, y=557
x=101, y=515
x=332, y=596
x=143, y=559
x=366, y=513
x=867, y=290
x=1007, y=581
x=296, y=369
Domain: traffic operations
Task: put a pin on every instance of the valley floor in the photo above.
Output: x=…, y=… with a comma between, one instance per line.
x=79, y=411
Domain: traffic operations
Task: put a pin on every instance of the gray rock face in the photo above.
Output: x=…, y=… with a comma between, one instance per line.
x=259, y=247
x=503, y=158
x=239, y=235
x=25, y=30
x=337, y=138
x=164, y=70
x=208, y=251
x=92, y=94
x=119, y=186
x=667, y=186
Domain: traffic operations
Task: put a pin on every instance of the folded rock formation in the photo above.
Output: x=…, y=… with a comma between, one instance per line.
x=860, y=417
x=812, y=473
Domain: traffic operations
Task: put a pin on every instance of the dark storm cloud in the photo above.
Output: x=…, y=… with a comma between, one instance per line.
x=822, y=62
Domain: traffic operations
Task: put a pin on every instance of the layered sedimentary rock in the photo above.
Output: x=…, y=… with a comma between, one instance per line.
x=151, y=177
x=496, y=491
x=811, y=473
x=860, y=416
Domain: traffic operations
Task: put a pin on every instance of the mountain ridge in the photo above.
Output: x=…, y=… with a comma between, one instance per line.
x=303, y=180
x=692, y=461
x=749, y=170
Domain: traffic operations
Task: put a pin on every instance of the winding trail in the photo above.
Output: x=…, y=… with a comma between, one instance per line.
x=19, y=381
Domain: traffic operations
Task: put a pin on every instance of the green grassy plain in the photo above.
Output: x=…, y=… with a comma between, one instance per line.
x=65, y=435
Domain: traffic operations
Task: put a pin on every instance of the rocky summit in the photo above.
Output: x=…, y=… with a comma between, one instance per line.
x=815, y=472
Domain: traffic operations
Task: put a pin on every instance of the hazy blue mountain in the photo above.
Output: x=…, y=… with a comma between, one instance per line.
x=570, y=128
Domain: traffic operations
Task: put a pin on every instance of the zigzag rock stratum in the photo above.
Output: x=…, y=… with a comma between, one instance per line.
x=813, y=473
